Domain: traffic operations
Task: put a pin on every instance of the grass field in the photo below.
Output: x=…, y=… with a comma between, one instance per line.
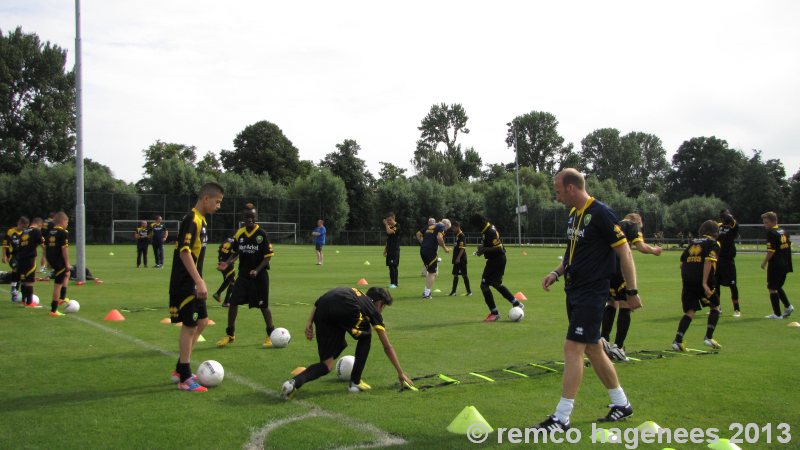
x=81, y=382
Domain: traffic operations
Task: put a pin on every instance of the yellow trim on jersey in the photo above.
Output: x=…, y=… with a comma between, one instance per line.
x=186, y=301
x=250, y=233
x=576, y=231
x=618, y=243
x=379, y=328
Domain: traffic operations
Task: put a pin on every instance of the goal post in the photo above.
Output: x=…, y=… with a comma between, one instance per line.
x=123, y=230
x=279, y=232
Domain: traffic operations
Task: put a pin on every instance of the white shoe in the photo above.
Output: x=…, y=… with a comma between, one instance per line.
x=737, y=314
x=618, y=353
x=288, y=390
x=788, y=311
x=773, y=316
x=712, y=343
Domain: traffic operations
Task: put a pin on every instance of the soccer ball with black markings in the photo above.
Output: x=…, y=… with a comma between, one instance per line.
x=516, y=314
x=210, y=373
x=280, y=337
x=344, y=366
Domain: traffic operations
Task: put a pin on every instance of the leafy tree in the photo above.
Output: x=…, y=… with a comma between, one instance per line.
x=607, y=159
x=263, y=148
x=390, y=172
x=157, y=153
x=442, y=126
x=705, y=166
x=650, y=173
x=37, y=102
x=535, y=137
x=173, y=176
x=345, y=164
x=209, y=164
x=327, y=190
x=397, y=196
x=763, y=187
x=794, y=198
x=685, y=216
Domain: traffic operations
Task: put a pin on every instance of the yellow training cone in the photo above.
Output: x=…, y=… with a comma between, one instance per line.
x=650, y=427
x=470, y=421
x=201, y=339
x=604, y=436
x=723, y=444
x=794, y=324
x=366, y=263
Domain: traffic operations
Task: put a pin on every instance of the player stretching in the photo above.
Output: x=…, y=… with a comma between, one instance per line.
x=495, y=253
x=698, y=264
x=632, y=226
x=57, y=253
x=726, y=265
x=254, y=251
x=340, y=311
x=187, y=290
x=778, y=262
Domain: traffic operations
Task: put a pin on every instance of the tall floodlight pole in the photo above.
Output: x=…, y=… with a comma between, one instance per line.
x=80, y=207
x=516, y=167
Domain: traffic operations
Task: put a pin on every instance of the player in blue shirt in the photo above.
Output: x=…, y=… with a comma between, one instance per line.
x=319, y=239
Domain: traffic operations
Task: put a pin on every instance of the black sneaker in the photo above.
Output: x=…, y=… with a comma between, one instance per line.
x=552, y=424
x=617, y=413
x=216, y=296
x=452, y=294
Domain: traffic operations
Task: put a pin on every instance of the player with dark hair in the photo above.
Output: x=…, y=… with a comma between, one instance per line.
x=228, y=271
x=392, y=249
x=142, y=236
x=48, y=225
x=726, y=264
x=30, y=240
x=319, y=239
x=252, y=248
x=459, y=260
x=594, y=238
x=495, y=253
x=11, y=241
x=778, y=262
x=158, y=235
x=698, y=264
x=57, y=253
x=632, y=226
x=187, y=290
x=430, y=239
x=340, y=311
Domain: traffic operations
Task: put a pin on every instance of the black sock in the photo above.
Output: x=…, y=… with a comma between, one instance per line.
x=735, y=297
x=393, y=272
x=774, y=298
x=609, y=314
x=488, y=298
x=466, y=284
x=507, y=294
x=783, y=297
x=362, y=352
x=682, y=327
x=313, y=372
x=713, y=318
x=268, y=320
x=178, y=365
x=623, y=325
x=455, y=284
x=27, y=294
x=184, y=371
x=63, y=293
x=233, y=311
x=53, y=306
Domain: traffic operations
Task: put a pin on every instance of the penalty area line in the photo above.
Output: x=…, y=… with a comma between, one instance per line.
x=259, y=437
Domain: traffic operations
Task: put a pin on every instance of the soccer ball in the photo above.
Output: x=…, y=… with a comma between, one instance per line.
x=516, y=314
x=72, y=307
x=210, y=373
x=439, y=259
x=35, y=300
x=16, y=296
x=344, y=366
x=280, y=337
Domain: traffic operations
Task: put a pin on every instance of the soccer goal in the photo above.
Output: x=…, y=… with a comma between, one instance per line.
x=755, y=234
x=123, y=230
x=279, y=232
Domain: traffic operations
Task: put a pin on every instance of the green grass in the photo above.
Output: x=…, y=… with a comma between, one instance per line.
x=68, y=384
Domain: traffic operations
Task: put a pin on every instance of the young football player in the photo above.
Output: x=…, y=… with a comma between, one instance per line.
x=30, y=240
x=459, y=260
x=228, y=272
x=142, y=236
x=495, y=253
x=57, y=254
x=778, y=262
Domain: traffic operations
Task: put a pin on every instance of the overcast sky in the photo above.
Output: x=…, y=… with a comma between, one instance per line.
x=198, y=72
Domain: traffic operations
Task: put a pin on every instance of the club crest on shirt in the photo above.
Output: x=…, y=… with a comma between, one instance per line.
x=260, y=239
x=586, y=219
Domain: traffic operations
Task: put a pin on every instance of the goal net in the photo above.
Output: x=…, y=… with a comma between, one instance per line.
x=279, y=232
x=124, y=230
x=754, y=233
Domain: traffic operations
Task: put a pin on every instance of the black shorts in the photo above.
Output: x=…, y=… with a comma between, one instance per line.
x=616, y=290
x=186, y=308
x=776, y=277
x=228, y=272
x=318, y=246
x=331, y=326
x=430, y=259
x=494, y=270
x=726, y=272
x=59, y=274
x=693, y=297
x=142, y=245
x=460, y=268
x=27, y=270
x=393, y=258
x=253, y=292
x=585, y=311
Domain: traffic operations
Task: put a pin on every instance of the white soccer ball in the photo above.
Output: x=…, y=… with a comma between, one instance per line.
x=72, y=307
x=439, y=259
x=344, y=366
x=516, y=314
x=35, y=300
x=16, y=296
x=210, y=373
x=280, y=337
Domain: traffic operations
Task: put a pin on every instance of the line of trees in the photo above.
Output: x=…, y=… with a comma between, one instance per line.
x=629, y=171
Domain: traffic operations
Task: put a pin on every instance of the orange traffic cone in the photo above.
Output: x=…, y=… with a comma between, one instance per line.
x=362, y=282
x=166, y=321
x=114, y=315
x=520, y=296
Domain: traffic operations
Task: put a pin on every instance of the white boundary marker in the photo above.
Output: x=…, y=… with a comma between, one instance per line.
x=258, y=438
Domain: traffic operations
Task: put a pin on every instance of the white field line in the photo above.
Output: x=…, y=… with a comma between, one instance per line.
x=259, y=437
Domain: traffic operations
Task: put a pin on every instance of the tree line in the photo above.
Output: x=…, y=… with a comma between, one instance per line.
x=629, y=171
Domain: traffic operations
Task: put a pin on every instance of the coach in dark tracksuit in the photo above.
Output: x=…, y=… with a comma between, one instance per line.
x=158, y=234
